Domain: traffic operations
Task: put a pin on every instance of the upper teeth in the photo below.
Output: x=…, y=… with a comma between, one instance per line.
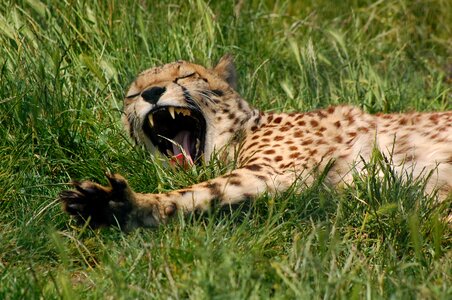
x=184, y=111
x=178, y=110
x=172, y=111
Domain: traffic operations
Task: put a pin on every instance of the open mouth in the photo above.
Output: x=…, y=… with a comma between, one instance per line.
x=177, y=132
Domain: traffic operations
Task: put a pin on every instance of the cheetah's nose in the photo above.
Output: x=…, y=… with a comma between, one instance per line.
x=153, y=95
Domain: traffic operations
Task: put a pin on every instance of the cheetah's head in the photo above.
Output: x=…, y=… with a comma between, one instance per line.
x=186, y=110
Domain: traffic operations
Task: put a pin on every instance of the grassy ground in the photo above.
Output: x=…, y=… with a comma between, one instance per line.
x=64, y=67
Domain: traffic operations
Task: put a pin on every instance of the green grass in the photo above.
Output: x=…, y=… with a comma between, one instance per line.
x=64, y=68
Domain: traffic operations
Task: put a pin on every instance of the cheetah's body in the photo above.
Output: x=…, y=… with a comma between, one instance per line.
x=199, y=109
x=299, y=142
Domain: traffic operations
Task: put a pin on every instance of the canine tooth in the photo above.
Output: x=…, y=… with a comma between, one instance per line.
x=169, y=152
x=151, y=120
x=198, y=142
x=171, y=111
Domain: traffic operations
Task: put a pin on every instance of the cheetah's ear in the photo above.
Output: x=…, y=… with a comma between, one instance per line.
x=226, y=70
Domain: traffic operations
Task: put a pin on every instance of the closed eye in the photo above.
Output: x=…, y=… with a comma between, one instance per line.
x=132, y=96
x=185, y=76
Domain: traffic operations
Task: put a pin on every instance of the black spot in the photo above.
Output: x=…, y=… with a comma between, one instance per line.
x=253, y=159
x=219, y=93
x=235, y=182
x=182, y=192
x=214, y=188
x=253, y=167
x=231, y=175
x=284, y=128
x=321, y=114
x=314, y=123
x=261, y=177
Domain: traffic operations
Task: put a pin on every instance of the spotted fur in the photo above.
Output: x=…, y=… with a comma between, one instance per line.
x=272, y=150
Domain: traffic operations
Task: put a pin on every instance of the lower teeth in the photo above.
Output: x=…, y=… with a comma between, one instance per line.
x=197, y=144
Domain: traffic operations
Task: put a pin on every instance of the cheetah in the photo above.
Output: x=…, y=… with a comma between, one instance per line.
x=191, y=113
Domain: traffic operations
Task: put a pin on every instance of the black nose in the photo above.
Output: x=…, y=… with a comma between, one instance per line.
x=153, y=95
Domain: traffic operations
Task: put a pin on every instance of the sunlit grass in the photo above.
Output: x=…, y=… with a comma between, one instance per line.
x=64, y=68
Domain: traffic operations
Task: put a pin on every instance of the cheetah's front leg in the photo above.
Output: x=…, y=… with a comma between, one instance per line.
x=118, y=204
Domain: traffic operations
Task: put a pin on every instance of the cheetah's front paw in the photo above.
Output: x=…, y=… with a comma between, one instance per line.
x=101, y=206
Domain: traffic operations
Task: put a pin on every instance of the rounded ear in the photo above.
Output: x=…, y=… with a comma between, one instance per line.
x=226, y=70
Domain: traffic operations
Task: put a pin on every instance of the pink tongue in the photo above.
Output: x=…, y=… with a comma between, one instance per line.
x=183, y=140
